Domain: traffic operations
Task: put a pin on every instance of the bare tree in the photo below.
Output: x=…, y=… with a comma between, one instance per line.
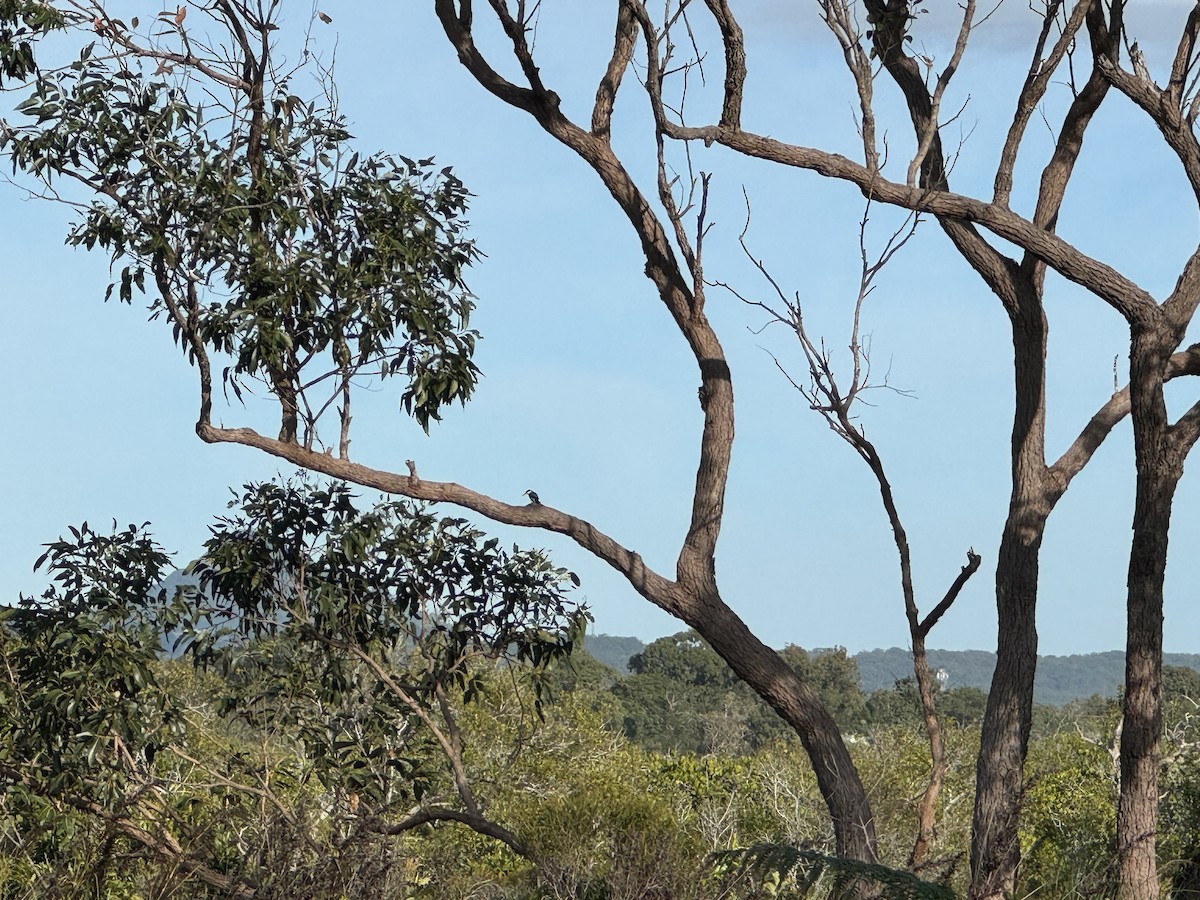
x=1156, y=332
x=837, y=405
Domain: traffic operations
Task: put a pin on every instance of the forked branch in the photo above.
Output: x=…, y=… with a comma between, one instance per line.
x=836, y=406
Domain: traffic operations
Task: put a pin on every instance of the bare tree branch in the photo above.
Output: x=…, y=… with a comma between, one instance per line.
x=1072, y=461
x=972, y=566
x=624, y=44
x=929, y=131
x=1131, y=301
x=735, y=62
x=475, y=822
x=1041, y=71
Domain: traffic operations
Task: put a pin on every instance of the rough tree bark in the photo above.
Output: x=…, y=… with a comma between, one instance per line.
x=1160, y=450
x=1159, y=470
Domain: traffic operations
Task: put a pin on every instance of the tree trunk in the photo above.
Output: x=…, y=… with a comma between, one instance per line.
x=995, y=846
x=927, y=807
x=773, y=680
x=1137, y=809
x=1159, y=469
x=995, y=843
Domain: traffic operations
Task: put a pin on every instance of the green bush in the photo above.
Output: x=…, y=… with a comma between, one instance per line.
x=1068, y=830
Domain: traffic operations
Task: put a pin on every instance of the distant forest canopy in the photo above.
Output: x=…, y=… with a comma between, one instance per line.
x=1060, y=679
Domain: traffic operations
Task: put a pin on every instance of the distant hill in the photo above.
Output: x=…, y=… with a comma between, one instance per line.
x=613, y=650
x=965, y=668
x=1060, y=679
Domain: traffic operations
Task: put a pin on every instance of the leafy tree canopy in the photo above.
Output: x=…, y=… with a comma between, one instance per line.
x=267, y=238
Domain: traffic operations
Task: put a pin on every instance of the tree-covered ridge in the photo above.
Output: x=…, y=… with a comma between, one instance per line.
x=613, y=650
x=1060, y=679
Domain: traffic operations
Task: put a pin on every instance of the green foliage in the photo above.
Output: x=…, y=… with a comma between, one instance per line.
x=607, y=843
x=312, y=606
x=1181, y=696
x=264, y=236
x=605, y=818
x=660, y=715
x=963, y=706
x=1179, y=822
x=894, y=761
x=82, y=714
x=599, y=821
x=901, y=705
x=686, y=659
x=331, y=638
x=833, y=674
x=22, y=23
x=80, y=703
x=677, y=683
x=1068, y=829
x=683, y=697
x=898, y=705
x=1179, y=810
x=302, y=555
x=801, y=873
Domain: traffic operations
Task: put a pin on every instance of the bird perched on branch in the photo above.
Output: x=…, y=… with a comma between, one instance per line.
x=533, y=498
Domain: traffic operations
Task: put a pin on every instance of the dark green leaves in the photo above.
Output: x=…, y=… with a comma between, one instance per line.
x=341, y=631
x=22, y=22
x=268, y=240
x=299, y=556
x=346, y=624
x=80, y=704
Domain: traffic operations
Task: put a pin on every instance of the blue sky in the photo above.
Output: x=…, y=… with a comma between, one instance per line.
x=590, y=394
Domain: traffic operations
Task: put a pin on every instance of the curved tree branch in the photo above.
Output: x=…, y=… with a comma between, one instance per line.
x=1133, y=302
x=475, y=822
x=629, y=563
x=1185, y=362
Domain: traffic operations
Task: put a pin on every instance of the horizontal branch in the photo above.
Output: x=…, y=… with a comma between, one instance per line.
x=1133, y=302
x=476, y=823
x=654, y=587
